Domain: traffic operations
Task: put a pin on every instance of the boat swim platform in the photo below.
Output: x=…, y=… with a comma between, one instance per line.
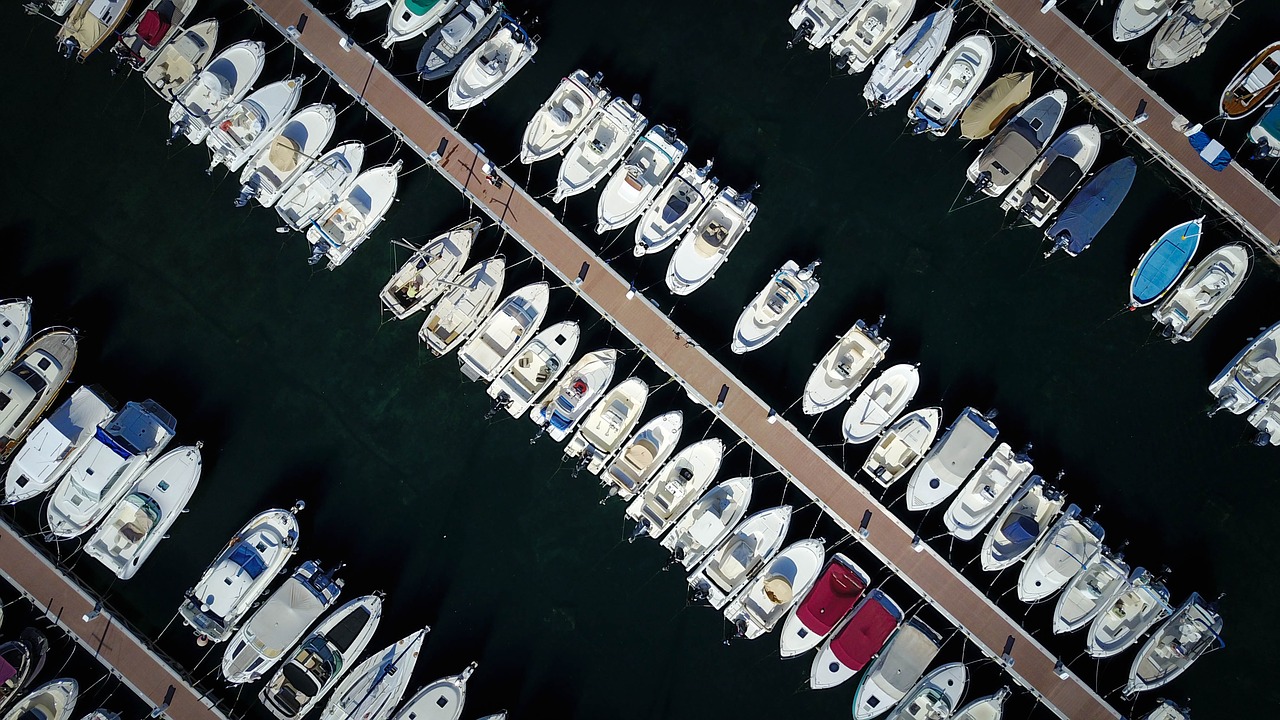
x=705, y=381
x=116, y=646
x=1111, y=87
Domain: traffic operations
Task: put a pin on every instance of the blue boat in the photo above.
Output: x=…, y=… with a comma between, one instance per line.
x=1164, y=263
x=1092, y=207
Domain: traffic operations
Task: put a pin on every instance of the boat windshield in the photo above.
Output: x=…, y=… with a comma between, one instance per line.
x=250, y=561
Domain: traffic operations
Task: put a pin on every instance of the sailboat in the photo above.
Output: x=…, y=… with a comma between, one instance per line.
x=564, y=406
x=838, y=589
x=639, y=458
x=707, y=243
x=1251, y=375
x=430, y=271
x=412, y=18
x=709, y=521
x=56, y=443
x=181, y=59
x=992, y=105
x=607, y=425
x=251, y=123
x=1017, y=144
x=791, y=573
x=1140, y=605
x=511, y=324
x=573, y=104
x=653, y=160
x=1205, y=290
x=675, y=487
x=817, y=21
x=357, y=211
x=287, y=155
x=598, y=148
x=869, y=32
x=321, y=185
x=535, y=368
x=675, y=207
x=787, y=293
x=32, y=383
x=1055, y=175
x=440, y=700
x=843, y=368
x=855, y=641
x=1091, y=592
x=1164, y=263
x=951, y=85
x=1187, y=32
x=1194, y=630
x=1064, y=552
x=902, y=446
x=223, y=83
x=880, y=403
x=1252, y=87
x=908, y=59
x=1024, y=521
x=495, y=62
x=15, y=329
x=987, y=491
x=952, y=458
x=896, y=669
x=373, y=689
x=458, y=36
x=1091, y=208
x=158, y=23
x=464, y=306
x=88, y=25
x=727, y=568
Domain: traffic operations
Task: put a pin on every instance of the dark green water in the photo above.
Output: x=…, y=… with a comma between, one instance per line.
x=299, y=390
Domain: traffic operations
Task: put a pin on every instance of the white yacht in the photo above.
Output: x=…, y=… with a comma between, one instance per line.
x=1194, y=629
x=253, y=122
x=791, y=573
x=1017, y=144
x=607, y=425
x=495, y=62
x=903, y=445
x=955, y=455
x=1064, y=552
x=990, y=707
x=150, y=30
x=56, y=443
x=1142, y=603
x=790, y=289
x=908, y=59
x=880, y=403
x=631, y=188
x=88, y=25
x=951, y=85
x=709, y=521
x=373, y=689
x=674, y=208
x=320, y=185
x=564, y=406
x=598, y=148
x=869, y=32
x=15, y=329
x=358, y=7
x=429, y=272
x=896, y=669
x=1250, y=376
x=181, y=59
x=728, y=567
x=225, y=81
x=413, y=18
x=816, y=22
x=843, y=368
x=440, y=700
x=1187, y=32
x=937, y=695
x=460, y=312
x=855, y=641
x=1024, y=521
x=1135, y=18
x=1054, y=175
x=341, y=227
x=675, y=487
x=987, y=491
x=535, y=368
x=1204, y=291
x=811, y=620
x=575, y=102
x=707, y=243
x=33, y=382
x=54, y=700
x=512, y=323
x=641, y=456
x=458, y=35
x=1091, y=592
x=286, y=156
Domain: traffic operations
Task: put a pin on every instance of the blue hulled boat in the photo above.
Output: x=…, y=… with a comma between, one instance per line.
x=1092, y=207
x=1164, y=263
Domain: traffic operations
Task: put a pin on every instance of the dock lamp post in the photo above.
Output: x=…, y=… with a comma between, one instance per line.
x=724, y=393
x=582, y=274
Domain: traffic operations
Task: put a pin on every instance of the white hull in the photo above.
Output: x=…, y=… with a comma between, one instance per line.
x=608, y=424
x=1251, y=375
x=599, y=148
x=585, y=382
x=278, y=624
x=1195, y=629
x=535, y=368
x=1021, y=525
x=491, y=66
x=951, y=460
x=843, y=368
x=33, y=382
x=404, y=23
x=1187, y=32
x=817, y=21
x=1064, y=552
x=987, y=492
x=799, y=636
x=952, y=85
x=574, y=103
x=633, y=186
x=321, y=185
x=990, y=707
x=342, y=227
x=429, y=272
x=674, y=208
x=440, y=700
x=250, y=124
x=1090, y=593
x=675, y=487
x=358, y=7
x=513, y=323
x=287, y=155
x=1055, y=175
x=937, y=695
x=880, y=403
x=1204, y=291
x=1017, y=144
x=15, y=330
x=464, y=307
x=869, y=32
x=896, y=669
x=54, y=700
x=641, y=456
x=776, y=588
x=175, y=63
x=1140, y=605
x=709, y=521
x=1135, y=18
x=908, y=59
x=222, y=84
x=726, y=570
x=375, y=687
x=902, y=446
x=790, y=289
x=708, y=242
x=828, y=670
x=55, y=444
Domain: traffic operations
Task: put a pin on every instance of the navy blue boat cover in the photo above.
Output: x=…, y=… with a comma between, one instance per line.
x=1091, y=208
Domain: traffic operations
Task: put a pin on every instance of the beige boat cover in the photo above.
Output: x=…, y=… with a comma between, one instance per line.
x=284, y=153
x=991, y=106
x=777, y=589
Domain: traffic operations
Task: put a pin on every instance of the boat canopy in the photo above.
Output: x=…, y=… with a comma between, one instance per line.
x=1060, y=177
x=831, y=598
x=1023, y=530
x=1211, y=151
x=1011, y=150
x=866, y=633
x=345, y=632
x=290, y=611
x=152, y=28
x=421, y=7
x=1091, y=208
x=250, y=561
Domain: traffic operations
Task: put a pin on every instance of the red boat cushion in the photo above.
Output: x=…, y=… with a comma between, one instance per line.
x=865, y=634
x=835, y=592
x=152, y=28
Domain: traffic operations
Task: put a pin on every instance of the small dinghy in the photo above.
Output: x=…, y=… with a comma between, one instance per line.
x=1065, y=551
x=1135, y=18
x=951, y=86
x=843, y=368
x=869, y=32
x=1142, y=603
x=321, y=185
x=641, y=456
x=707, y=243
x=1250, y=376
x=990, y=707
x=574, y=103
x=1017, y=144
x=54, y=700
x=955, y=455
x=287, y=155
x=896, y=669
x=709, y=521
x=858, y=638
x=1024, y=521
x=608, y=424
x=181, y=59
x=1091, y=592
x=902, y=446
x=730, y=565
x=156, y=25
x=992, y=105
x=459, y=35
x=15, y=329
x=631, y=188
x=775, y=589
x=599, y=148
x=412, y=18
x=373, y=689
x=33, y=382
x=535, y=368
x=515, y=321
x=679, y=203
x=1091, y=208
x=462, y=309
x=341, y=227
x=675, y=487
x=880, y=403
x=1252, y=87
x=565, y=405
x=816, y=22
x=908, y=59
x=1055, y=175
x=1164, y=263
x=937, y=695
x=223, y=83
x=1194, y=629
x=440, y=700
x=88, y=25
x=791, y=288
x=251, y=123
x=837, y=590
x=495, y=62
x=1204, y=291
x=56, y=443
x=1187, y=32
x=987, y=491
x=429, y=272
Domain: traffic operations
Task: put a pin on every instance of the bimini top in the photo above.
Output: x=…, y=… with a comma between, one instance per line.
x=1092, y=207
x=837, y=590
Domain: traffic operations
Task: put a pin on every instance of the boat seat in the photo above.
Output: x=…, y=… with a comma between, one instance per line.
x=735, y=561
x=640, y=455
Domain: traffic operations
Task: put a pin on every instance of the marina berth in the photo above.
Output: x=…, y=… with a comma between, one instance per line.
x=677, y=205
x=251, y=123
x=858, y=638
x=54, y=700
x=728, y=567
x=987, y=491
x=495, y=62
x=902, y=446
x=535, y=368
x=646, y=169
x=955, y=455
x=896, y=669
x=158, y=23
x=1017, y=145
x=990, y=707
x=837, y=590
x=320, y=186
x=1194, y=630
x=288, y=154
x=791, y=573
x=605, y=428
x=200, y=104
x=32, y=382
x=869, y=32
x=880, y=403
x=1024, y=521
x=429, y=272
x=790, y=289
x=937, y=695
x=341, y=227
x=575, y=102
x=457, y=37
x=599, y=147
x=641, y=456
x=675, y=487
x=504, y=332
x=1203, y=292
x=584, y=383
x=908, y=59
x=181, y=59
x=1055, y=175
x=1250, y=376
x=993, y=103
x=1135, y=18
x=1187, y=32
x=951, y=85
x=1091, y=592
x=443, y=699
x=373, y=689
x=56, y=443
x=707, y=243
x=817, y=21
x=15, y=330
x=464, y=306
x=1254, y=86
x=1137, y=608
x=1091, y=208
x=411, y=18
x=88, y=26
x=709, y=521
x=843, y=368
x=1164, y=263
x=1065, y=551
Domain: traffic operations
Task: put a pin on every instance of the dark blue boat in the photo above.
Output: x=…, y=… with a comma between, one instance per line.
x=1091, y=208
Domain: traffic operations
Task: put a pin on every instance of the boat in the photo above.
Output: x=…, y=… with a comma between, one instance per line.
x=776, y=588
x=1187, y=32
x=564, y=406
x=56, y=443
x=709, y=521
x=640, y=457
x=512, y=323
x=457, y=37
x=412, y=18
x=15, y=329
x=598, y=148
x=1020, y=526
x=675, y=207
x=1064, y=552
x=993, y=103
x=225, y=81
x=1254, y=86
x=20, y=662
x=33, y=382
x=459, y=313
x=440, y=700
x=535, y=368
x=838, y=589
x=253, y=122
x=88, y=26
x=843, y=368
x=1092, y=591
x=1142, y=603
x=1265, y=418
x=855, y=641
x=896, y=669
x=675, y=487
x=286, y=155
x=1266, y=134
x=322, y=659
x=1017, y=144
x=1164, y=263
x=646, y=169
x=1091, y=208
x=908, y=59
x=990, y=707
x=181, y=59
x=1194, y=629
x=902, y=445
x=121, y=449
x=575, y=102
x=816, y=22
x=358, y=7
x=951, y=459
x=987, y=491
x=607, y=425
x=1204, y=291
x=729, y=566
x=495, y=62
x=141, y=520
x=790, y=289
x=937, y=695
x=341, y=227
x=279, y=623
x=241, y=572
x=158, y=23
x=429, y=272
x=707, y=243
x=952, y=85
x=1250, y=376
x=1135, y=18
x=1168, y=710
x=880, y=403
x=869, y=32
x=1055, y=175
x=373, y=689
x=54, y=700
x=320, y=185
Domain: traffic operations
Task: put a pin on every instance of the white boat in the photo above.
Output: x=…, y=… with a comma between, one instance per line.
x=908, y=59
x=855, y=641
x=843, y=368
x=1091, y=592
x=141, y=520
x=728, y=567
x=1017, y=144
x=54, y=700
x=903, y=445
x=1024, y=521
x=607, y=425
x=776, y=588
x=241, y=572
x=709, y=521
x=990, y=707
x=1250, y=376
x=675, y=487
x=839, y=586
x=33, y=382
x=464, y=306
x=955, y=455
x=869, y=32
x=279, y=623
x=88, y=26
x=937, y=695
x=535, y=368
x=56, y=443
x=158, y=23
x=816, y=22
x=429, y=272
x=495, y=62
x=790, y=289
x=373, y=689
x=987, y=491
x=247, y=126
x=118, y=453
x=598, y=148
x=649, y=165
x=707, y=243
x=440, y=700
x=674, y=208
x=564, y=406
x=15, y=329
x=643, y=453
x=574, y=103
x=412, y=18
x=896, y=669
x=1193, y=630
x=459, y=34
x=178, y=61
x=1135, y=18
x=1064, y=552
x=1168, y=710
x=1055, y=175
x=951, y=85
x=320, y=185
x=880, y=403
x=1203, y=292
x=1142, y=603
x=1187, y=32
x=287, y=155
x=340, y=228
x=512, y=323
x=358, y=7
x=225, y=81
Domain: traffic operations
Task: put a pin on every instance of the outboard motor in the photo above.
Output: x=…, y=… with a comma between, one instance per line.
x=597, y=80
x=69, y=48
x=248, y=191
x=1024, y=455
x=1225, y=399
x=177, y=129
x=502, y=402
x=842, y=62
x=699, y=594
x=706, y=169
x=1263, y=150
x=1060, y=241
x=802, y=32
x=1262, y=439
x=745, y=197
x=874, y=330
x=920, y=126
x=638, y=530
x=317, y=254
x=982, y=183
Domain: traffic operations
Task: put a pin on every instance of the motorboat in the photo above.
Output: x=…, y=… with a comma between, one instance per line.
x=1266, y=134
x=988, y=490
x=1020, y=526
x=896, y=669
x=1254, y=86
x=200, y=104
x=709, y=521
x=728, y=567
x=790, y=289
x=675, y=207
x=495, y=62
x=430, y=271
x=241, y=572
x=535, y=368
x=119, y=452
x=340, y=228
x=1091, y=208
x=1091, y=592
x=287, y=155
x=512, y=323
x=880, y=403
x=158, y=23
x=321, y=185
x=816, y=22
x=1017, y=144
x=56, y=443
x=459, y=313
x=1168, y=710
x=583, y=384
x=843, y=368
x=33, y=382
x=937, y=695
x=575, y=102
x=598, y=148
x=1135, y=18
x=1055, y=175
x=646, y=169
x=412, y=18
x=1194, y=629
x=373, y=689
x=1163, y=264
x=1142, y=603
x=1064, y=552
x=855, y=641
x=951, y=459
x=1187, y=32
x=1265, y=418
x=1204, y=291
x=54, y=700
x=608, y=424
x=869, y=32
x=20, y=662
x=253, y=122
x=359, y=7
x=141, y=520
x=639, y=458
x=457, y=37
x=707, y=243
x=89, y=24
x=181, y=59
x=439, y=700
x=791, y=573
x=279, y=623
x=838, y=589
x=993, y=103
x=902, y=445
x=952, y=85
x=908, y=59
x=15, y=329
x=990, y=707
x=675, y=487
x=322, y=659
x=1250, y=376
